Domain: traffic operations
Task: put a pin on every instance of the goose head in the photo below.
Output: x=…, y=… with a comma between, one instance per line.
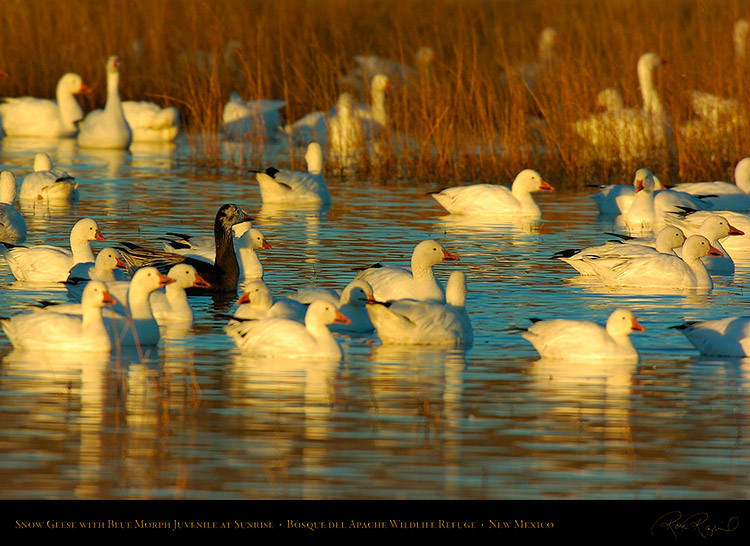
x=323, y=313
x=717, y=227
x=357, y=293
x=96, y=294
x=643, y=181
x=621, y=322
x=72, y=84
x=256, y=294
x=85, y=230
x=257, y=240
x=529, y=180
x=109, y=259
x=229, y=215
x=148, y=279
x=742, y=175
x=668, y=238
x=185, y=276
x=697, y=246
x=113, y=65
x=429, y=253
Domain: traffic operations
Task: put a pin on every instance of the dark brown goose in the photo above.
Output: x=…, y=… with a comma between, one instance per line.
x=222, y=275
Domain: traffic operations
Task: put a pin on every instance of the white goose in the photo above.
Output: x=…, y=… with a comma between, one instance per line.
x=108, y=267
x=353, y=305
x=669, y=238
x=256, y=302
x=722, y=337
x=376, y=111
x=283, y=186
x=419, y=283
x=171, y=304
x=12, y=224
x=616, y=199
x=346, y=136
x=410, y=322
x=107, y=128
x=659, y=271
x=492, y=199
x=149, y=122
x=691, y=222
x=257, y=119
x=60, y=331
x=278, y=337
x=46, y=183
x=630, y=134
x=582, y=339
x=720, y=195
x=34, y=117
x=48, y=263
x=715, y=228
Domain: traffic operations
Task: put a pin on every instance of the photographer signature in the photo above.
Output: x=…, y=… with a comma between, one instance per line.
x=675, y=523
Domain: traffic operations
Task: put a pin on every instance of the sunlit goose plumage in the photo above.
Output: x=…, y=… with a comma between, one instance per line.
x=257, y=119
x=256, y=302
x=661, y=270
x=171, y=304
x=284, y=186
x=149, y=122
x=722, y=195
x=35, y=117
x=277, y=337
x=108, y=267
x=12, y=224
x=84, y=331
x=715, y=228
x=410, y=322
x=107, y=128
x=582, y=339
x=691, y=222
x=376, y=111
x=419, y=283
x=223, y=274
x=669, y=238
x=616, y=199
x=47, y=183
x=492, y=199
x=48, y=263
x=346, y=133
x=353, y=305
x=630, y=134
x=728, y=337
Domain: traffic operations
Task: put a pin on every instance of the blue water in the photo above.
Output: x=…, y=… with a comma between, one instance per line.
x=195, y=419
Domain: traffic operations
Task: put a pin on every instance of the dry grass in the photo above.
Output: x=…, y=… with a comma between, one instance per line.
x=458, y=122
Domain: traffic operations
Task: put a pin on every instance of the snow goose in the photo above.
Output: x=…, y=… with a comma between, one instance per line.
x=284, y=186
x=691, y=222
x=721, y=337
x=35, y=117
x=223, y=274
x=410, y=322
x=353, y=304
x=171, y=304
x=630, y=134
x=660, y=270
x=346, y=136
x=107, y=128
x=46, y=183
x=12, y=224
x=668, y=238
x=375, y=112
x=256, y=302
x=255, y=119
x=715, y=228
x=84, y=331
x=616, y=199
x=108, y=267
x=583, y=339
x=491, y=199
x=149, y=122
x=48, y=263
x=139, y=326
x=419, y=282
x=278, y=337
x=720, y=195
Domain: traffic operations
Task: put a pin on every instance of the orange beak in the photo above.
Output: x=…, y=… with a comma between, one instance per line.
x=107, y=299
x=164, y=280
x=84, y=90
x=121, y=264
x=201, y=282
x=713, y=251
x=341, y=319
x=448, y=257
x=546, y=186
x=734, y=231
x=98, y=236
x=244, y=298
x=638, y=327
x=266, y=245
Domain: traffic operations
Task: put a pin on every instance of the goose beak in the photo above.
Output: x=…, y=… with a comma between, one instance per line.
x=244, y=298
x=84, y=90
x=201, y=282
x=638, y=327
x=266, y=245
x=734, y=231
x=713, y=251
x=638, y=185
x=164, y=280
x=449, y=257
x=121, y=264
x=546, y=186
x=107, y=299
x=341, y=318
x=98, y=236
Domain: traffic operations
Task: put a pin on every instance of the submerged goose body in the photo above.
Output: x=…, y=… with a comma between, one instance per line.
x=720, y=195
x=107, y=128
x=728, y=337
x=419, y=282
x=48, y=263
x=171, y=304
x=256, y=302
x=46, y=183
x=582, y=339
x=410, y=322
x=84, y=331
x=35, y=117
x=149, y=122
x=12, y=223
x=491, y=199
x=278, y=337
x=284, y=186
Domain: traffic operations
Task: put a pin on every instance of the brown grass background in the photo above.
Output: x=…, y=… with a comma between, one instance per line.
x=466, y=123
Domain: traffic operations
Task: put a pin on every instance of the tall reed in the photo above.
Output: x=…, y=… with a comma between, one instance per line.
x=462, y=120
